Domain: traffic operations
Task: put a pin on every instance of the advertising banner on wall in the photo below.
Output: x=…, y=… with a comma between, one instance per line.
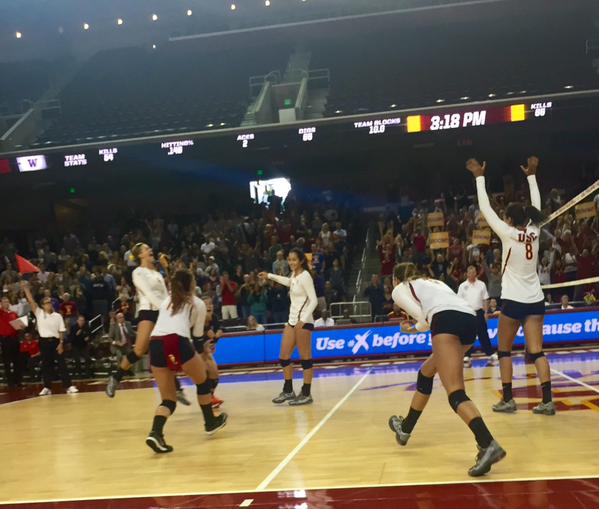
x=380, y=340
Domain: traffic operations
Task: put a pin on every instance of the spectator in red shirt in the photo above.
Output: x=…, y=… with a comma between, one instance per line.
x=387, y=260
x=228, y=292
x=587, y=267
x=68, y=310
x=456, y=251
x=9, y=340
x=30, y=354
x=419, y=241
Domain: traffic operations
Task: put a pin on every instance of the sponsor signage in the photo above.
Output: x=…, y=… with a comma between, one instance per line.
x=347, y=343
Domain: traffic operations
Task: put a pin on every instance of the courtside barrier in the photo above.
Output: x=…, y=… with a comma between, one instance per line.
x=373, y=340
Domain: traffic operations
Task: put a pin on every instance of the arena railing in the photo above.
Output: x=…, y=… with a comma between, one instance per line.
x=360, y=311
x=96, y=324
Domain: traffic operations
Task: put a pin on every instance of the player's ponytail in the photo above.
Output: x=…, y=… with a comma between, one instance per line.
x=136, y=251
x=521, y=214
x=182, y=286
x=534, y=215
x=406, y=271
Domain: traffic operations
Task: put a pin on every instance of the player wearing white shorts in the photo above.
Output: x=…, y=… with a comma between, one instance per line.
x=521, y=293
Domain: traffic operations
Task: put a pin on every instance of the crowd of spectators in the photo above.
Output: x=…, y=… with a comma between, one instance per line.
x=89, y=275
x=569, y=248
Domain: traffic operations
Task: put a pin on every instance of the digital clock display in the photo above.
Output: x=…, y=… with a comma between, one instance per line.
x=475, y=118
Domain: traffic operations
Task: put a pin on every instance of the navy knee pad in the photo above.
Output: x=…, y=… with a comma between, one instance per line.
x=534, y=356
x=307, y=363
x=132, y=357
x=284, y=362
x=456, y=398
x=204, y=388
x=424, y=384
x=502, y=353
x=171, y=405
x=213, y=383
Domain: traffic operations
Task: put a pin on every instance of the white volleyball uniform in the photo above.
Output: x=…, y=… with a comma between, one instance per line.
x=424, y=298
x=189, y=319
x=520, y=280
x=151, y=292
x=302, y=295
x=170, y=345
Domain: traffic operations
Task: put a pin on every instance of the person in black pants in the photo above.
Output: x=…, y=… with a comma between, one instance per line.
x=9, y=342
x=474, y=291
x=51, y=329
x=80, y=338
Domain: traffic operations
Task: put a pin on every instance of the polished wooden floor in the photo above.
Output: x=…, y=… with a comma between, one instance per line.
x=87, y=446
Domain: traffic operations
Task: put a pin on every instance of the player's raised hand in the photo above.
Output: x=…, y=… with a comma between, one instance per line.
x=532, y=165
x=474, y=167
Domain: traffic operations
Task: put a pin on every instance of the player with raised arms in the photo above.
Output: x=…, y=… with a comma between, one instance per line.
x=523, y=301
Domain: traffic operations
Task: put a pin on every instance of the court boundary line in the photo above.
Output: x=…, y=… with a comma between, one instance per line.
x=368, y=364
x=315, y=488
x=572, y=379
x=281, y=466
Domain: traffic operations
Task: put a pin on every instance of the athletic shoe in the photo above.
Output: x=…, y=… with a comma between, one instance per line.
x=45, y=392
x=182, y=399
x=301, y=399
x=219, y=423
x=215, y=402
x=72, y=390
x=506, y=407
x=111, y=386
x=401, y=436
x=485, y=458
x=467, y=362
x=493, y=360
x=284, y=396
x=544, y=408
x=157, y=444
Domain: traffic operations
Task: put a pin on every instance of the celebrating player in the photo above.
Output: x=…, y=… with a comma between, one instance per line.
x=152, y=292
x=171, y=350
x=453, y=325
x=206, y=346
x=298, y=331
x=523, y=302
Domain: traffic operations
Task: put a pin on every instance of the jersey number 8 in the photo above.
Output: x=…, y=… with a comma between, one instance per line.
x=528, y=239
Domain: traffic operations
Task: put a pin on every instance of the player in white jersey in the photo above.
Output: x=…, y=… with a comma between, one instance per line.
x=452, y=322
x=523, y=302
x=180, y=316
x=298, y=331
x=152, y=292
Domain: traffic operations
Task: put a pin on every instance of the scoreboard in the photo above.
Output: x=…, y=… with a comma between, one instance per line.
x=305, y=133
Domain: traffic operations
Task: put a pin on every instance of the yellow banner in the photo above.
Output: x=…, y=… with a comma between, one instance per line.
x=585, y=210
x=439, y=240
x=435, y=220
x=481, y=237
